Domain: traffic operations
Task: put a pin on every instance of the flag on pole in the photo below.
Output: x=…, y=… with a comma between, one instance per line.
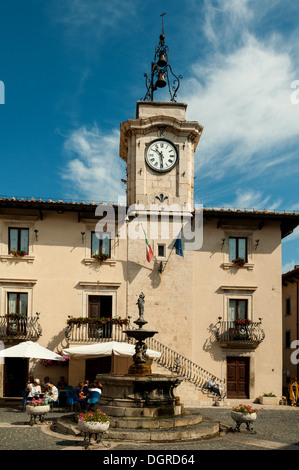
x=179, y=246
x=149, y=251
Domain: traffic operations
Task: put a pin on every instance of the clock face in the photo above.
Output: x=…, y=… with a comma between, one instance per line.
x=161, y=155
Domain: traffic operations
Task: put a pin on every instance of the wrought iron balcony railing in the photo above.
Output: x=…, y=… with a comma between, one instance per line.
x=16, y=326
x=250, y=335
x=93, y=333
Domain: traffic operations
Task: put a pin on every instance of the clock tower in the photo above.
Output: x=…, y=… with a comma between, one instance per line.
x=158, y=146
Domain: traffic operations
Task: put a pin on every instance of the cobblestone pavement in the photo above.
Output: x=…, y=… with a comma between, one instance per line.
x=276, y=428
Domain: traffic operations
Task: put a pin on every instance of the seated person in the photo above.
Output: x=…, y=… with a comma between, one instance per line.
x=213, y=387
x=86, y=387
x=61, y=383
x=79, y=394
x=97, y=387
x=34, y=388
x=51, y=393
x=44, y=383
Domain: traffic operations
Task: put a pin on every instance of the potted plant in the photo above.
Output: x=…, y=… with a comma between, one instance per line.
x=93, y=422
x=53, y=363
x=239, y=262
x=18, y=252
x=242, y=322
x=243, y=414
x=269, y=399
x=37, y=407
x=101, y=257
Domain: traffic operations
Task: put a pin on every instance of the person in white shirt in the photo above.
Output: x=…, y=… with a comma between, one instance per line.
x=34, y=388
x=51, y=393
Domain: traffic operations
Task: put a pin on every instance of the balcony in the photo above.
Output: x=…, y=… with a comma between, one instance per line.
x=19, y=327
x=231, y=335
x=93, y=330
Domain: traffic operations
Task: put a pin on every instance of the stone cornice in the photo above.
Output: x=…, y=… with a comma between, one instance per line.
x=144, y=126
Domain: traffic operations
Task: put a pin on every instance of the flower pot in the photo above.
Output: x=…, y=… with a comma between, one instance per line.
x=246, y=418
x=269, y=400
x=37, y=410
x=93, y=427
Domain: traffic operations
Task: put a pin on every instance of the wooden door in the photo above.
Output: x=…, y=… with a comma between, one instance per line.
x=100, y=306
x=237, y=377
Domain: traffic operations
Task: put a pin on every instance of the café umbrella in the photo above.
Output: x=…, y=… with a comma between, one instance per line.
x=30, y=350
x=106, y=349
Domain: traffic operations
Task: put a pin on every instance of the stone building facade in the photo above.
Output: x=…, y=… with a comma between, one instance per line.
x=217, y=309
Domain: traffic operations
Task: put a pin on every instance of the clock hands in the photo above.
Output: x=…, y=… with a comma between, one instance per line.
x=161, y=157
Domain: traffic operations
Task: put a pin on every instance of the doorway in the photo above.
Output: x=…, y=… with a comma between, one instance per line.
x=238, y=377
x=99, y=306
x=15, y=376
x=100, y=365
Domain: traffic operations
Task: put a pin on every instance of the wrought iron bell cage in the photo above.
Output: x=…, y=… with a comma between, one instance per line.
x=160, y=72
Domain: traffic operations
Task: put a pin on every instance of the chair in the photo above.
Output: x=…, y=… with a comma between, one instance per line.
x=93, y=397
x=71, y=399
x=56, y=402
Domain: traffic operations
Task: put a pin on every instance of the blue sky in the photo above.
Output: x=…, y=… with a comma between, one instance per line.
x=74, y=69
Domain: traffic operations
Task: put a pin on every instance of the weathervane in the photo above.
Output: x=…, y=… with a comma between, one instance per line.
x=159, y=76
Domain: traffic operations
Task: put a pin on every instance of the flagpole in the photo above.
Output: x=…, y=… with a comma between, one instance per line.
x=163, y=268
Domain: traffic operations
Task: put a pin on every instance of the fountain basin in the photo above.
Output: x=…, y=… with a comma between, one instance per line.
x=140, y=396
x=140, y=335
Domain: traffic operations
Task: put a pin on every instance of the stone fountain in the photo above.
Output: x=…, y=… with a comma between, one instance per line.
x=144, y=407
x=139, y=393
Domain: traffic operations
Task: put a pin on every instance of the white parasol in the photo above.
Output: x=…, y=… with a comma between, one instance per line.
x=106, y=349
x=29, y=349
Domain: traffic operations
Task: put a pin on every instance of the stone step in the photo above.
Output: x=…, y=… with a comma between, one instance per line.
x=184, y=430
x=187, y=419
x=203, y=430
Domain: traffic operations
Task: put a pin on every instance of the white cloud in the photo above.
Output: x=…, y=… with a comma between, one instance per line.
x=293, y=236
x=252, y=199
x=241, y=95
x=244, y=105
x=94, y=169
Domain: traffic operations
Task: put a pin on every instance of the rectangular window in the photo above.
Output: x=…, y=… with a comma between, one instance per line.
x=101, y=245
x=17, y=303
x=18, y=239
x=161, y=251
x=237, y=310
x=237, y=248
x=288, y=306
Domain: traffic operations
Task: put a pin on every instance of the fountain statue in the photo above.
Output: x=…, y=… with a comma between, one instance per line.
x=140, y=365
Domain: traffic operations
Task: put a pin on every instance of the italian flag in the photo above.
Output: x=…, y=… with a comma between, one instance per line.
x=149, y=251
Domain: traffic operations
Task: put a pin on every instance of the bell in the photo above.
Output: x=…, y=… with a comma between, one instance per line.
x=161, y=82
x=162, y=61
